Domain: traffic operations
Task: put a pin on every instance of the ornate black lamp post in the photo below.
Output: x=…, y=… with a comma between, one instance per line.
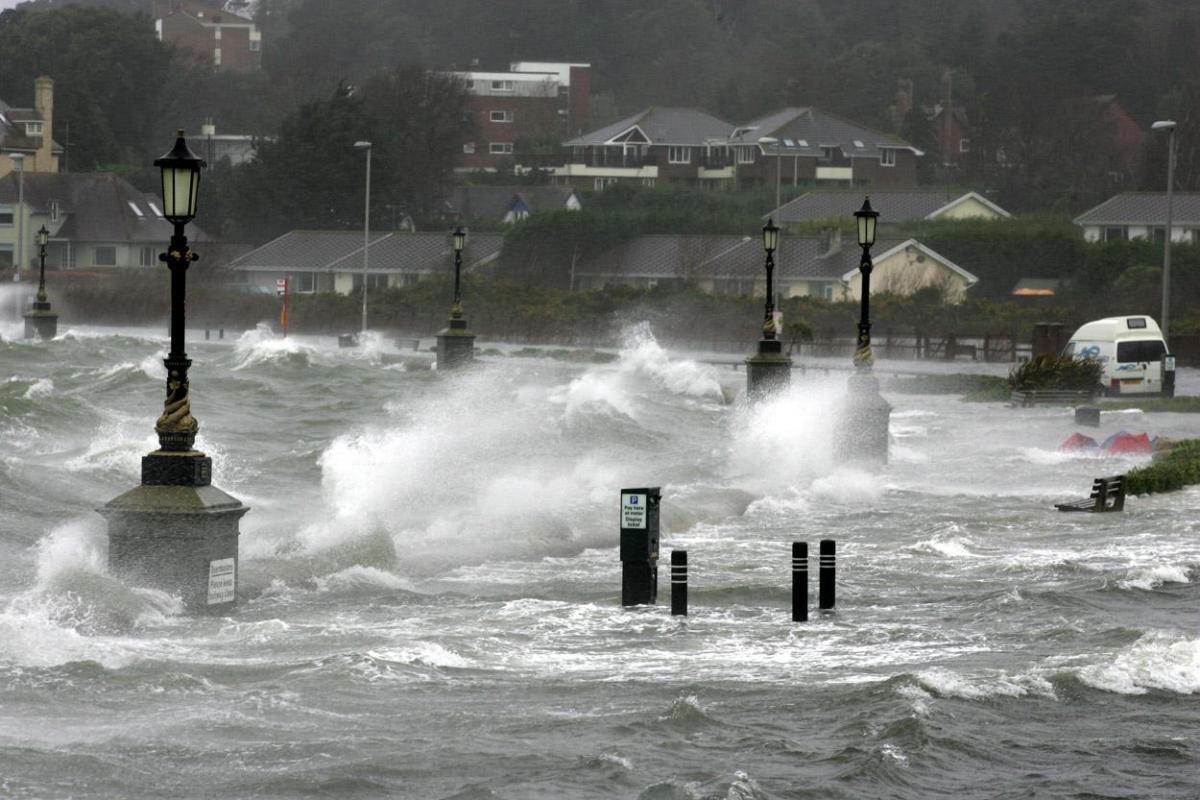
x=456, y=344
x=41, y=321
x=863, y=430
x=176, y=530
x=768, y=370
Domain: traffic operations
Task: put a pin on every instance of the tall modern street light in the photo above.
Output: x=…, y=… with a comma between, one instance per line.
x=176, y=531
x=862, y=435
x=771, y=140
x=364, y=145
x=768, y=370
x=18, y=160
x=456, y=344
x=1167, y=125
x=40, y=320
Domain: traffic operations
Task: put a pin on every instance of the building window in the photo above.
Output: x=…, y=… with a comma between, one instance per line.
x=600, y=183
x=33, y=129
x=6, y=255
x=374, y=281
x=500, y=148
x=147, y=257
x=887, y=157
x=216, y=56
x=745, y=155
x=7, y=215
x=468, y=148
x=964, y=145
x=679, y=155
x=826, y=153
x=104, y=257
x=502, y=86
x=255, y=45
x=133, y=207
x=501, y=116
x=1115, y=234
x=827, y=291
x=649, y=182
x=306, y=282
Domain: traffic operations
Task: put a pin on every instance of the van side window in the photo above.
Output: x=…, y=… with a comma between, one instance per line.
x=1151, y=350
x=1069, y=350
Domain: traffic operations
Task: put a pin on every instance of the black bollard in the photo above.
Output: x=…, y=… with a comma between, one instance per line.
x=207, y=335
x=826, y=574
x=679, y=580
x=639, y=546
x=799, y=581
x=220, y=333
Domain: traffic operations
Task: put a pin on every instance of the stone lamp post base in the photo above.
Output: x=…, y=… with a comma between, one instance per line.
x=861, y=436
x=768, y=371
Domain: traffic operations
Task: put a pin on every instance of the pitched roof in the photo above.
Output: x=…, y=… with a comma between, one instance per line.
x=341, y=251
x=809, y=129
x=99, y=206
x=1144, y=208
x=12, y=130
x=681, y=126
x=722, y=257
x=887, y=249
x=893, y=206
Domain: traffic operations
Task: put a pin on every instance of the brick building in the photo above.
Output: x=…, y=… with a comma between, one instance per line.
x=516, y=114
x=215, y=36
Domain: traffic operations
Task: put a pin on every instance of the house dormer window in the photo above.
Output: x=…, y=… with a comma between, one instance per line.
x=745, y=154
x=826, y=153
x=33, y=129
x=887, y=157
x=502, y=86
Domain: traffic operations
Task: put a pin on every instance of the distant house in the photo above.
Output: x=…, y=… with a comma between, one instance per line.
x=1142, y=215
x=236, y=148
x=805, y=267
x=893, y=206
x=656, y=145
x=30, y=132
x=672, y=145
x=332, y=261
x=508, y=204
x=1124, y=137
x=535, y=101
x=952, y=133
x=215, y=36
x=95, y=220
x=816, y=147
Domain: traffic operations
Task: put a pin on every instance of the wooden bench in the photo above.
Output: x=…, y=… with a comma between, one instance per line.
x=1108, y=494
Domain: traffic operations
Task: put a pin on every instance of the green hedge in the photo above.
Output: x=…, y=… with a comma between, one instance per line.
x=1057, y=373
x=1172, y=470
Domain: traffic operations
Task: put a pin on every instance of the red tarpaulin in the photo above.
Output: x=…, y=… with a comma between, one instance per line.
x=1123, y=442
x=1077, y=441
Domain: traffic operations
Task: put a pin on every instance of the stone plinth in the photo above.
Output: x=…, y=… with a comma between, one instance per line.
x=177, y=532
x=455, y=345
x=768, y=371
x=41, y=322
x=861, y=436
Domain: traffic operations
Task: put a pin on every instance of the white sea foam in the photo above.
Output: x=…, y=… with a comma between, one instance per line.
x=42, y=387
x=954, y=547
x=848, y=485
x=947, y=683
x=1148, y=578
x=642, y=355
x=430, y=654
x=1159, y=661
x=264, y=345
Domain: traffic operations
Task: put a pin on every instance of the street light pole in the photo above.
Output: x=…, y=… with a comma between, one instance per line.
x=18, y=160
x=867, y=219
x=40, y=320
x=455, y=343
x=1168, y=126
x=364, y=145
x=769, y=369
x=43, y=238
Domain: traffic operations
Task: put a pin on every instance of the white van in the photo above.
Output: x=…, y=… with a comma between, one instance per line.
x=1132, y=351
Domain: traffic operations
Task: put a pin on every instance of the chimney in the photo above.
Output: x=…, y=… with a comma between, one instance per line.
x=43, y=103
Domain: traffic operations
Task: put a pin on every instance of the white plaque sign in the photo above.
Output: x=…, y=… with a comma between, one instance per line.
x=633, y=511
x=222, y=579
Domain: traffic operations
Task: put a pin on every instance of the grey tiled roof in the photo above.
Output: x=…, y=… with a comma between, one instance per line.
x=341, y=251
x=1144, y=208
x=899, y=206
x=699, y=257
x=99, y=207
x=682, y=126
x=12, y=136
x=810, y=129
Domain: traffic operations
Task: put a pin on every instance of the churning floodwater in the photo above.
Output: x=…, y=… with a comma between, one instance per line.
x=430, y=589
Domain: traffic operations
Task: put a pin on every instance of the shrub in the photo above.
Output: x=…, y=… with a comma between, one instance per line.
x=1062, y=373
x=1172, y=470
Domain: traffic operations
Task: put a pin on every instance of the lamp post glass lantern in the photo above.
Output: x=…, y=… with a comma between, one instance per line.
x=866, y=218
